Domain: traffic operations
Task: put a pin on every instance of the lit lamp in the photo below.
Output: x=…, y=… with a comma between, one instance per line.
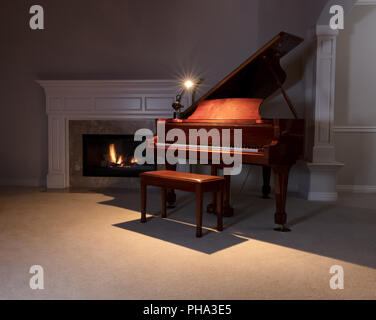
x=188, y=85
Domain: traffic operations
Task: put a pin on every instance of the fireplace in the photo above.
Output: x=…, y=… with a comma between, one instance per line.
x=109, y=155
x=114, y=107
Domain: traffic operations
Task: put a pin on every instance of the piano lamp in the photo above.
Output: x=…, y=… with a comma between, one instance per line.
x=187, y=85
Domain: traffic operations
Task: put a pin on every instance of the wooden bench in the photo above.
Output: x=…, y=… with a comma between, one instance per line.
x=186, y=182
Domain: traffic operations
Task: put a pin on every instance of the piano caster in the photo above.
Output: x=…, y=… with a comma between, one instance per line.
x=282, y=228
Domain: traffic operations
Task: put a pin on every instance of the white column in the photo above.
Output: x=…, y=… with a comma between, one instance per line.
x=323, y=167
x=57, y=173
x=323, y=150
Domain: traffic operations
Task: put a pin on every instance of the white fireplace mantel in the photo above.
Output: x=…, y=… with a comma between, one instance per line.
x=99, y=100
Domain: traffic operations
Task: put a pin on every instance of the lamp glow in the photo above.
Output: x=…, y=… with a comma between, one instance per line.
x=188, y=84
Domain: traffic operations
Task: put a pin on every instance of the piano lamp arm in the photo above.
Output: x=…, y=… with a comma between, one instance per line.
x=179, y=96
x=195, y=89
x=177, y=104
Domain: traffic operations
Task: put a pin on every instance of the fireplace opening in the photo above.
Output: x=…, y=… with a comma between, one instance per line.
x=111, y=156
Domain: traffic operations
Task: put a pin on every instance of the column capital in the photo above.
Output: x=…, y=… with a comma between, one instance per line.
x=325, y=31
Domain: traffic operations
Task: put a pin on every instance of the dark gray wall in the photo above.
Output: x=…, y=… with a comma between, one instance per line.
x=355, y=98
x=128, y=39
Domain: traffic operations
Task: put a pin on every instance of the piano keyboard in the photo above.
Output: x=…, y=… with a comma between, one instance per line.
x=209, y=148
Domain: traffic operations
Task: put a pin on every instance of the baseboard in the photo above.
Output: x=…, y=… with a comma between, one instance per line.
x=323, y=196
x=10, y=182
x=356, y=188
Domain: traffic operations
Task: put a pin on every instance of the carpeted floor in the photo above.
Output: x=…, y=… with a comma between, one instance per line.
x=92, y=246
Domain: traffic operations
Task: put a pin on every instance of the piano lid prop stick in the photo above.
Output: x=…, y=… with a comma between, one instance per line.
x=196, y=85
x=281, y=87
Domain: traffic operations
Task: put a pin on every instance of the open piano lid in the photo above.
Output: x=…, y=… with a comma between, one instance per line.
x=254, y=79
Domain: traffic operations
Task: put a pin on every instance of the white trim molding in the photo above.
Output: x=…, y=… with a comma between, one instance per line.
x=356, y=188
x=323, y=196
x=99, y=100
x=348, y=129
x=366, y=3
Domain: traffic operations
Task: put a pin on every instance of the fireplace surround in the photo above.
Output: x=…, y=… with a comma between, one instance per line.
x=114, y=106
x=108, y=155
x=100, y=134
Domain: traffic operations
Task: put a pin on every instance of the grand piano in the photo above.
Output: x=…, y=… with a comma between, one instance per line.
x=234, y=103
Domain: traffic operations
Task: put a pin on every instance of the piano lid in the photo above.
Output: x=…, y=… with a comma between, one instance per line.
x=254, y=79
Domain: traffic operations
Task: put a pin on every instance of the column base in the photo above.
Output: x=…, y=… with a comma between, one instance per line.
x=56, y=181
x=322, y=184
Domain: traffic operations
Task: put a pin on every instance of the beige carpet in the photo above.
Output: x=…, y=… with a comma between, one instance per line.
x=92, y=246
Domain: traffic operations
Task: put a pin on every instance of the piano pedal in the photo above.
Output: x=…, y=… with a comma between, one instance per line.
x=211, y=208
x=228, y=212
x=282, y=228
x=266, y=190
x=171, y=199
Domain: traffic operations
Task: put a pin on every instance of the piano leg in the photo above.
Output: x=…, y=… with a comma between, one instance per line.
x=211, y=208
x=281, y=176
x=266, y=189
x=228, y=211
x=171, y=196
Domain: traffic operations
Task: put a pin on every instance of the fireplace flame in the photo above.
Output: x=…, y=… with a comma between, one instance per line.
x=112, y=153
x=118, y=160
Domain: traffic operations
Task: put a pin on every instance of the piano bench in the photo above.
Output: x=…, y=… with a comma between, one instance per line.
x=188, y=182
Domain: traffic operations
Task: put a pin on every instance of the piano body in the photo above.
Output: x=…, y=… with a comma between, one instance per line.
x=274, y=144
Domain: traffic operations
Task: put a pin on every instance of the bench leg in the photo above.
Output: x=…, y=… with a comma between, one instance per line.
x=143, y=203
x=220, y=211
x=164, y=213
x=171, y=195
x=199, y=212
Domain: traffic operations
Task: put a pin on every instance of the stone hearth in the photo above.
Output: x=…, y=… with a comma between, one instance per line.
x=77, y=128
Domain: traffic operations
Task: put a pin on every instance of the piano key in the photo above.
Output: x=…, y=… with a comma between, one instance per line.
x=209, y=148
